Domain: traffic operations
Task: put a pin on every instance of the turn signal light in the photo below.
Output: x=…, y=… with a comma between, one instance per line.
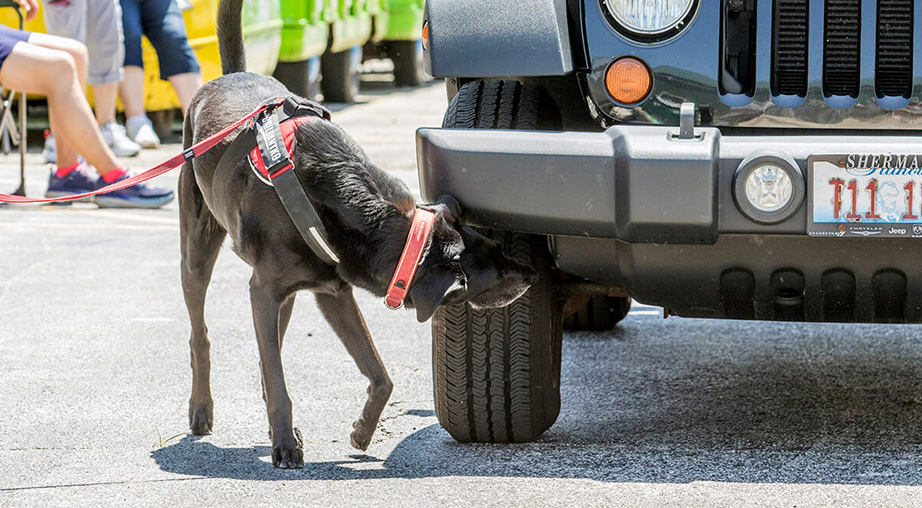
x=426, y=35
x=628, y=81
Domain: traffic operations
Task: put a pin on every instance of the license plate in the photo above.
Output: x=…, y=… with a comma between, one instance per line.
x=869, y=195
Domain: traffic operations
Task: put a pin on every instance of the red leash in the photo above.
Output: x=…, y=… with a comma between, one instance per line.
x=409, y=259
x=165, y=167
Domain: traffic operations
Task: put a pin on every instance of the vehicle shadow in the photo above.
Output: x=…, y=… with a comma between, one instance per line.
x=640, y=407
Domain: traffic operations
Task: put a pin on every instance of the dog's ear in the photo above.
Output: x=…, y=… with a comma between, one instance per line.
x=446, y=206
x=431, y=290
x=451, y=204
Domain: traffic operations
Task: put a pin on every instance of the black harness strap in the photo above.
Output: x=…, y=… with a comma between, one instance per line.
x=266, y=133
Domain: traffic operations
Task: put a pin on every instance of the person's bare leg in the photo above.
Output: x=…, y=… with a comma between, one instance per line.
x=66, y=153
x=185, y=86
x=104, y=97
x=76, y=49
x=131, y=90
x=53, y=73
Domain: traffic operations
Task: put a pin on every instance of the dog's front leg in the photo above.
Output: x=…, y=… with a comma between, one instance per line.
x=344, y=316
x=287, y=447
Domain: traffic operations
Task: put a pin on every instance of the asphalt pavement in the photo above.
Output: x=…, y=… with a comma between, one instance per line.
x=95, y=380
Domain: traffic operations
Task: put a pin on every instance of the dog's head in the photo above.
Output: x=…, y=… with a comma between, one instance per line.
x=462, y=265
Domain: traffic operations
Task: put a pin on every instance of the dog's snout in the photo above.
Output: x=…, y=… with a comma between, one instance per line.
x=530, y=276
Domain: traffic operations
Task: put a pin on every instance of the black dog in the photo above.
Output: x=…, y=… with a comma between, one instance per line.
x=367, y=215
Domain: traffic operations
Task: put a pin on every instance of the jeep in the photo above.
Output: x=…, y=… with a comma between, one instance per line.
x=730, y=159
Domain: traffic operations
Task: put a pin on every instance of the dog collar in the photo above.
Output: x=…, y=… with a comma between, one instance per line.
x=420, y=231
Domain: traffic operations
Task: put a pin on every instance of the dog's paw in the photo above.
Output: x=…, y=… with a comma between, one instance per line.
x=361, y=435
x=289, y=456
x=201, y=419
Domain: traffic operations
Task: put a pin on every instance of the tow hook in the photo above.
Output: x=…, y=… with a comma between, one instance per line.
x=686, y=121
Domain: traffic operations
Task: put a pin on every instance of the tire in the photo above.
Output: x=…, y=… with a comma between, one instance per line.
x=497, y=371
x=601, y=313
x=162, y=121
x=340, y=75
x=301, y=77
x=408, y=62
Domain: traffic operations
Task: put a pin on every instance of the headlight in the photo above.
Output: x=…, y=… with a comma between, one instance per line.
x=650, y=19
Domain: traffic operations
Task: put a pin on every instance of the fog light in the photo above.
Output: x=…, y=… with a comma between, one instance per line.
x=769, y=188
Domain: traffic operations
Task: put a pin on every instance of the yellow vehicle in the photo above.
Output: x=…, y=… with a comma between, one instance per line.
x=294, y=40
x=262, y=29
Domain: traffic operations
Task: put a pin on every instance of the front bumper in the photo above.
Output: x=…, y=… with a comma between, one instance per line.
x=638, y=208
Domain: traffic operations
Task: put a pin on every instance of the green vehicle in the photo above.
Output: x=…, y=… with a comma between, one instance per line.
x=305, y=37
x=352, y=25
x=329, y=39
x=403, y=42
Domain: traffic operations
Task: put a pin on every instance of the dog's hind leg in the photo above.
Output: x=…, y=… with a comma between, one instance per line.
x=200, y=241
x=287, y=446
x=343, y=314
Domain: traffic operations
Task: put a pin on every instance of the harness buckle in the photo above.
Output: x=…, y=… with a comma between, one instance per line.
x=293, y=108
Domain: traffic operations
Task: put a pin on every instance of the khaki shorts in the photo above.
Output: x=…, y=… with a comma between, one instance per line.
x=96, y=23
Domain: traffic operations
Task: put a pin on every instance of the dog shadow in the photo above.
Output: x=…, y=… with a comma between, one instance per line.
x=802, y=411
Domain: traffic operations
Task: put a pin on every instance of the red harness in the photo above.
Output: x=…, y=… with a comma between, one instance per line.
x=288, y=128
x=419, y=235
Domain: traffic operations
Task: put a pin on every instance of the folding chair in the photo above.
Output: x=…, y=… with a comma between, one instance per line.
x=9, y=133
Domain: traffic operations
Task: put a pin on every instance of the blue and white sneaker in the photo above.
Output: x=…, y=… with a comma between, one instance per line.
x=80, y=179
x=136, y=196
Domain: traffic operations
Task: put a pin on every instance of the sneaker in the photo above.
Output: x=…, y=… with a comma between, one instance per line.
x=81, y=179
x=136, y=196
x=118, y=141
x=50, y=152
x=141, y=131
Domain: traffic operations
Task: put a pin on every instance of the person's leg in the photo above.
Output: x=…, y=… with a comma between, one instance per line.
x=64, y=21
x=138, y=127
x=107, y=55
x=164, y=26
x=53, y=73
x=75, y=48
x=105, y=97
x=132, y=87
x=67, y=155
x=105, y=42
x=186, y=85
x=132, y=91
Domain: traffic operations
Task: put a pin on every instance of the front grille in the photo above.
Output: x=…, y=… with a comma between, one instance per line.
x=894, y=48
x=789, y=48
x=842, y=47
x=842, y=43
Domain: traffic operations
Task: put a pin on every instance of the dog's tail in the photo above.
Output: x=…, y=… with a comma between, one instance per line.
x=230, y=37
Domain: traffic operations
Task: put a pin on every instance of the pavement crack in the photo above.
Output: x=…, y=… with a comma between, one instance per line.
x=100, y=484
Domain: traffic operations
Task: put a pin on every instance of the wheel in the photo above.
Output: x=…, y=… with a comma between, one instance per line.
x=340, y=75
x=408, y=62
x=162, y=120
x=302, y=78
x=497, y=371
x=601, y=312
